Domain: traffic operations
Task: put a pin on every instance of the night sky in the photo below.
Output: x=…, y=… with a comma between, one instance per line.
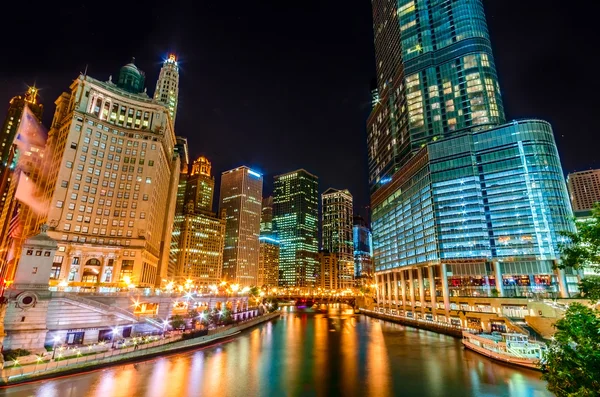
x=281, y=85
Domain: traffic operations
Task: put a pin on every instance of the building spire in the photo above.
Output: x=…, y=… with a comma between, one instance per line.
x=167, y=86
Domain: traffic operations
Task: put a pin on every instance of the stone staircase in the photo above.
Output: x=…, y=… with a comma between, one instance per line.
x=122, y=314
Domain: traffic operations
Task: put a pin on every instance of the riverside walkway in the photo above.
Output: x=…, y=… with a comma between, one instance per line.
x=83, y=361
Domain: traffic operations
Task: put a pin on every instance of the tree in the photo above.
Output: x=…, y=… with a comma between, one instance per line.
x=582, y=248
x=572, y=363
x=177, y=321
x=226, y=317
x=590, y=288
x=255, y=291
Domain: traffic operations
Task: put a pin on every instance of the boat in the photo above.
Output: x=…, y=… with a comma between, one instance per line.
x=510, y=348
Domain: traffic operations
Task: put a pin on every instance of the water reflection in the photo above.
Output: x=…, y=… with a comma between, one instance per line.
x=322, y=351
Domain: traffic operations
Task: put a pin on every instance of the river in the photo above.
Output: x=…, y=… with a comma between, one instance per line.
x=326, y=351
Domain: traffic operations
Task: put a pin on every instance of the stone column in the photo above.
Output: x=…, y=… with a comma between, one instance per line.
x=421, y=288
x=432, y=289
x=498, y=274
x=411, y=287
x=396, y=289
x=403, y=288
x=445, y=290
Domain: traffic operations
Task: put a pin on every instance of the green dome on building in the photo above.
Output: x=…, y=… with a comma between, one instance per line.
x=131, y=79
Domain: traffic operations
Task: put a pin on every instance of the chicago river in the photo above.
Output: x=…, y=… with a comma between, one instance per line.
x=320, y=351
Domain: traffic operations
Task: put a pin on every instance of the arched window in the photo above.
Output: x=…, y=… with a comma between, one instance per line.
x=93, y=262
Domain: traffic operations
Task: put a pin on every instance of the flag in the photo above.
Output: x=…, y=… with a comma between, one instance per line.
x=30, y=141
x=31, y=133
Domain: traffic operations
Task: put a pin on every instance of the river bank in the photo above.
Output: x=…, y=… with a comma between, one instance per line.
x=15, y=375
x=446, y=329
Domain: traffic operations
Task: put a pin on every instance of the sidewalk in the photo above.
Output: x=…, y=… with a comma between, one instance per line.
x=81, y=361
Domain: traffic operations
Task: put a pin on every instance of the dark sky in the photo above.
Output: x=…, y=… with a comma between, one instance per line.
x=280, y=85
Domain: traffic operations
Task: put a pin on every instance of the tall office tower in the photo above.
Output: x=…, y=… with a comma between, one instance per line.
x=200, y=185
x=266, y=216
x=13, y=117
x=363, y=252
x=201, y=248
x=112, y=183
x=181, y=148
x=20, y=172
x=268, y=262
x=436, y=78
x=8, y=152
x=167, y=86
x=584, y=189
x=296, y=225
x=461, y=204
x=198, y=234
x=336, y=232
x=328, y=277
x=241, y=195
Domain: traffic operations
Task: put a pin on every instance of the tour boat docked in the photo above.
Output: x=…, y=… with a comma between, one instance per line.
x=511, y=348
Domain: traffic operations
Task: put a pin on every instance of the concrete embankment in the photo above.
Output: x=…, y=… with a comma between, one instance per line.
x=16, y=375
x=422, y=324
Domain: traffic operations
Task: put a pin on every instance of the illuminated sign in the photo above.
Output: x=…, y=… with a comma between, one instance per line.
x=385, y=180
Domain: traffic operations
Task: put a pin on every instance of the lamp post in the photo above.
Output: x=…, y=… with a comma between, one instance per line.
x=56, y=339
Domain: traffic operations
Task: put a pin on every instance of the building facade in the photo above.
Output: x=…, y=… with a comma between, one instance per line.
x=167, y=85
x=584, y=189
x=16, y=219
x=198, y=234
x=241, y=197
x=296, y=223
x=200, y=185
x=328, y=278
x=201, y=248
x=111, y=183
x=462, y=205
x=336, y=232
x=364, y=272
x=266, y=216
x=268, y=262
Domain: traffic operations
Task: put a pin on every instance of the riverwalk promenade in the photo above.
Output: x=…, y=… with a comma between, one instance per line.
x=83, y=360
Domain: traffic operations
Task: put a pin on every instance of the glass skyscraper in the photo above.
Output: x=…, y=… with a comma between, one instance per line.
x=296, y=223
x=463, y=205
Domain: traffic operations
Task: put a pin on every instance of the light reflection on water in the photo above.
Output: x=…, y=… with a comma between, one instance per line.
x=322, y=351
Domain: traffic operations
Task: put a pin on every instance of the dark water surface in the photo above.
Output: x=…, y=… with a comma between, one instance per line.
x=325, y=351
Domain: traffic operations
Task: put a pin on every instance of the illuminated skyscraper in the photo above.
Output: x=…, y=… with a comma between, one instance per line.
x=266, y=217
x=296, y=223
x=112, y=183
x=268, y=262
x=17, y=221
x=584, y=189
x=363, y=252
x=241, y=196
x=462, y=205
x=200, y=185
x=181, y=148
x=198, y=234
x=336, y=231
x=167, y=86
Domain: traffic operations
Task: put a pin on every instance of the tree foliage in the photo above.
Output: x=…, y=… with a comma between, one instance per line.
x=572, y=363
x=590, y=288
x=177, y=322
x=254, y=291
x=582, y=248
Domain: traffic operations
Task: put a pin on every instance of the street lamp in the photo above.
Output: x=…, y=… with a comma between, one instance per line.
x=56, y=340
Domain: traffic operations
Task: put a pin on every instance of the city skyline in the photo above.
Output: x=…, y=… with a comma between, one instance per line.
x=525, y=93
